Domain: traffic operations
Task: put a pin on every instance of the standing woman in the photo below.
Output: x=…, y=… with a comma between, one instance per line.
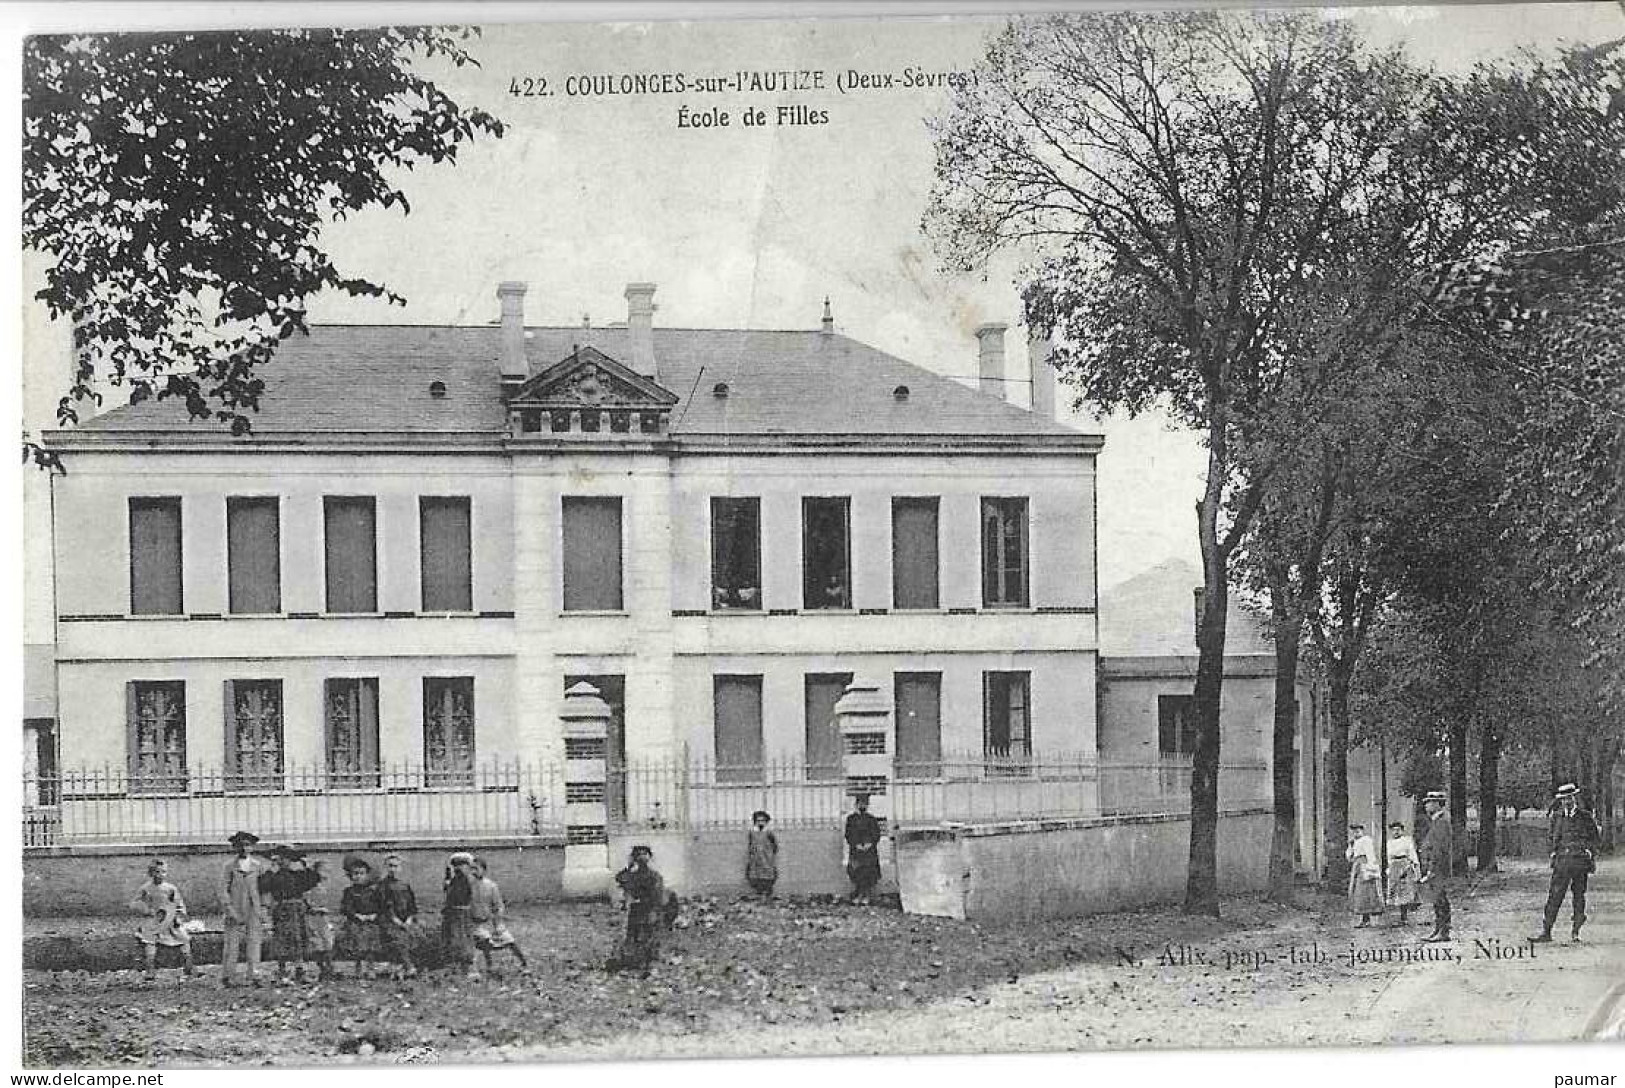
x=862, y=850
x=456, y=916
x=1365, y=876
x=1404, y=870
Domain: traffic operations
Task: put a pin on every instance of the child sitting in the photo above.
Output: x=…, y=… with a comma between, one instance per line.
x=163, y=920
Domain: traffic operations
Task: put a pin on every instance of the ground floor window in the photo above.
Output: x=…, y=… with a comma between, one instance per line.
x=156, y=713
x=448, y=730
x=917, y=698
x=1176, y=725
x=1006, y=723
x=737, y=707
x=352, y=733
x=253, y=735
x=823, y=733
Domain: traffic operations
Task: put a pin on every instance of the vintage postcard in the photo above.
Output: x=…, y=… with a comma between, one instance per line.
x=1078, y=530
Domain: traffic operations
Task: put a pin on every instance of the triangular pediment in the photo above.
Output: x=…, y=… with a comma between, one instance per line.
x=588, y=377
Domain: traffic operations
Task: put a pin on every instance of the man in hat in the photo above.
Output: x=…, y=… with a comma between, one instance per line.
x=1438, y=864
x=240, y=893
x=862, y=850
x=1574, y=838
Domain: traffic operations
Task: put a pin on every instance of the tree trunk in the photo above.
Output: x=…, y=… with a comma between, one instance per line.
x=1337, y=774
x=1458, y=781
x=1489, y=768
x=1202, y=873
x=1284, y=839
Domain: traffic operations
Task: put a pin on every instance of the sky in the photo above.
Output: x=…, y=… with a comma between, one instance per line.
x=754, y=226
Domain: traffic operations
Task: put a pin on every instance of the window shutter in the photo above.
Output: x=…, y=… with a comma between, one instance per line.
x=592, y=554
x=737, y=705
x=914, y=553
x=823, y=736
x=445, y=550
x=352, y=554
x=233, y=763
x=918, y=702
x=253, y=559
x=131, y=732
x=155, y=557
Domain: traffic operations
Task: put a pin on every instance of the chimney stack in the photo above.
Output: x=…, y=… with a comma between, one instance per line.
x=640, y=317
x=827, y=325
x=511, y=293
x=990, y=353
x=1043, y=374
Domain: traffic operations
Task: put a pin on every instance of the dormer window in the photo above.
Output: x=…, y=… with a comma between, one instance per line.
x=588, y=394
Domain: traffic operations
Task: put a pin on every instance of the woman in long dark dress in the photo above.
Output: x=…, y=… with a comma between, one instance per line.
x=862, y=850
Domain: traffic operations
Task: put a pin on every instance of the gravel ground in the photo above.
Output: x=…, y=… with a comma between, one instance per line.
x=819, y=978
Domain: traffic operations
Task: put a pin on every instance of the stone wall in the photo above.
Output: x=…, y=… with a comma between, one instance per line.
x=101, y=880
x=1063, y=868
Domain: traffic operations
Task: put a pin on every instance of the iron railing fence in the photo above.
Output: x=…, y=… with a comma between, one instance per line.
x=108, y=805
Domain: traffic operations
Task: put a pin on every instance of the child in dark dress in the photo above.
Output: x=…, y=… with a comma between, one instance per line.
x=456, y=915
x=397, y=918
x=761, y=855
x=285, y=887
x=358, y=936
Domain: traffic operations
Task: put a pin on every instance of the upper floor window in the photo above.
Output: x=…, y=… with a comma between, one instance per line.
x=155, y=557
x=826, y=554
x=445, y=554
x=736, y=553
x=1176, y=725
x=914, y=553
x=448, y=730
x=351, y=734
x=254, y=554
x=155, y=715
x=253, y=735
x=592, y=554
x=352, y=553
x=1006, y=718
x=1004, y=553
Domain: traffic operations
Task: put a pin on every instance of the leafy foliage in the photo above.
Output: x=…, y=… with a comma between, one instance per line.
x=179, y=184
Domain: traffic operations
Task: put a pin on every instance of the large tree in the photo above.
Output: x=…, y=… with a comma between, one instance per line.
x=1179, y=182
x=178, y=184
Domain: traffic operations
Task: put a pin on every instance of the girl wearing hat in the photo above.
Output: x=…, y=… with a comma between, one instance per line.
x=286, y=886
x=456, y=916
x=761, y=855
x=163, y=918
x=358, y=935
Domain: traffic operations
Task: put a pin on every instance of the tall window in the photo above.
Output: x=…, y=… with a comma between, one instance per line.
x=736, y=553
x=826, y=567
x=352, y=554
x=445, y=555
x=1176, y=725
x=914, y=553
x=1004, y=553
x=918, y=703
x=155, y=712
x=592, y=554
x=823, y=735
x=1006, y=725
x=737, y=706
x=253, y=735
x=448, y=730
x=155, y=557
x=254, y=554
x=352, y=733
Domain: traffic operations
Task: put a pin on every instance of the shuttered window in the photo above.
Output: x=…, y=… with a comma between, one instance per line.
x=1006, y=725
x=254, y=554
x=737, y=704
x=352, y=732
x=155, y=713
x=918, y=702
x=1004, y=553
x=448, y=730
x=253, y=735
x=155, y=557
x=1176, y=725
x=352, y=554
x=592, y=554
x=446, y=554
x=736, y=553
x=823, y=736
x=914, y=552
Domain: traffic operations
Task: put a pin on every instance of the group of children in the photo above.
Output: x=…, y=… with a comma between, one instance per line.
x=378, y=916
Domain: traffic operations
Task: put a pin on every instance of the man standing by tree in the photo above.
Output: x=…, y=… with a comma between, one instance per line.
x=1574, y=837
x=1438, y=862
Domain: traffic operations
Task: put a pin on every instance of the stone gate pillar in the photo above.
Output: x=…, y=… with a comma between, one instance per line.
x=864, y=717
x=585, y=719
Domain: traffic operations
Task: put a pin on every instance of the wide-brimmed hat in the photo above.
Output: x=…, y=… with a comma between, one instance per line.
x=356, y=861
x=1567, y=789
x=244, y=836
x=461, y=857
x=1436, y=795
x=283, y=850
x=643, y=848
x=761, y=813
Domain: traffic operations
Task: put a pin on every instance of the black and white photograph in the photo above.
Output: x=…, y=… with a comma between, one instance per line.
x=559, y=538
